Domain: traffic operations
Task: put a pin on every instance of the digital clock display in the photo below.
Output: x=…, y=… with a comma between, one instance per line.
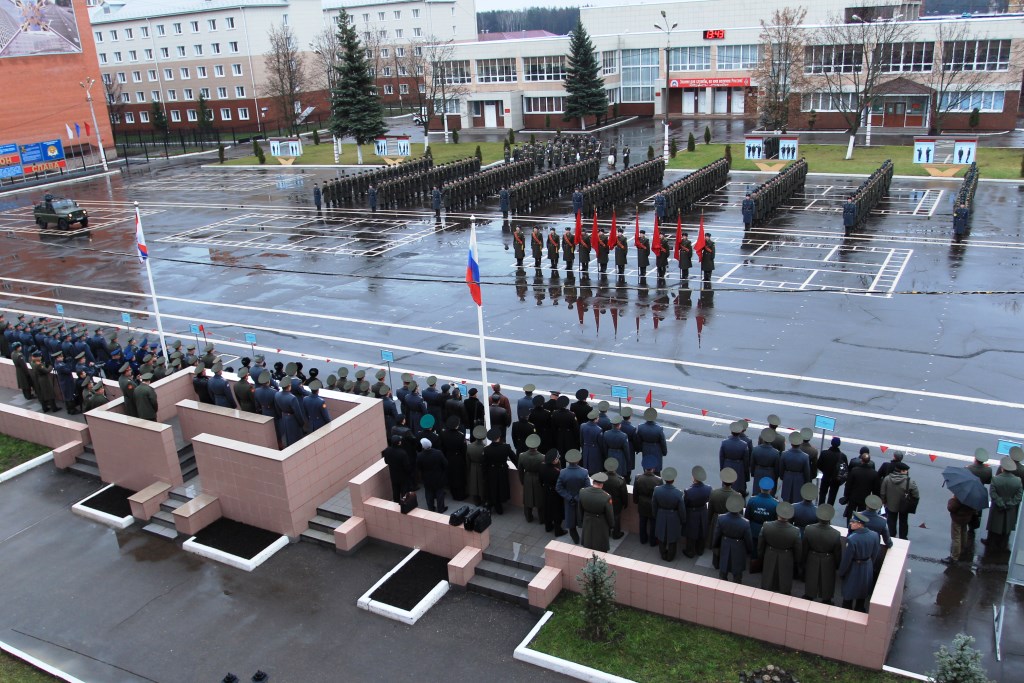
x=714, y=34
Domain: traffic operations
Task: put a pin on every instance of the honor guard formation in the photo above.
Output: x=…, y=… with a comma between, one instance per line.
x=760, y=204
x=867, y=196
x=964, y=204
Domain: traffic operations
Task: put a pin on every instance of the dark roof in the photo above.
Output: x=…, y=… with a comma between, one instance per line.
x=903, y=86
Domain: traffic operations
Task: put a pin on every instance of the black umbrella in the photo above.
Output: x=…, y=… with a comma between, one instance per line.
x=967, y=488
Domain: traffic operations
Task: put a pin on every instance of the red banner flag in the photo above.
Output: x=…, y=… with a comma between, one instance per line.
x=636, y=232
x=595, y=236
x=615, y=230
x=656, y=242
x=579, y=229
x=650, y=395
x=679, y=235
x=88, y=128
x=698, y=247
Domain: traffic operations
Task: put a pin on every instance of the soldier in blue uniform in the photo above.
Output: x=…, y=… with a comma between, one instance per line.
x=264, y=395
x=315, y=406
x=629, y=429
x=503, y=201
x=748, y=212
x=857, y=566
x=760, y=510
x=734, y=453
x=733, y=540
x=960, y=216
x=615, y=444
x=849, y=213
x=877, y=523
x=434, y=402
x=696, y=498
x=590, y=442
x=764, y=458
x=794, y=469
x=571, y=480
x=371, y=197
x=669, y=514
x=293, y=417
x=317, y=197
x=435, y=201
x=577, y=202
x=65, y=381
x=650, y=442
x=659, y=206
x=220, y=391
x=805, y=512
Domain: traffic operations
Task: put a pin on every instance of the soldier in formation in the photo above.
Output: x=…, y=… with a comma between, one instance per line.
x=769, y=196
x=867, y=196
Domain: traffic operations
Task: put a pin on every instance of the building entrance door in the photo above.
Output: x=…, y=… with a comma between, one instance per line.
x=490, y=115
x=895, y=114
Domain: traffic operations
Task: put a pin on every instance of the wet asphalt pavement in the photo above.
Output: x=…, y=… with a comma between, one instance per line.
x=907, y=338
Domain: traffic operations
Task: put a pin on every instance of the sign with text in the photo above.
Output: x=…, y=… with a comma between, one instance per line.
x=387, y=356
x=619, y=391
x=126, y=318
x=60, y=309
x=37, y=157
x=250, y=338
x=709, y=82
x=825, y=423
x=1004, y=446
x=193, y=328
x=10, y=161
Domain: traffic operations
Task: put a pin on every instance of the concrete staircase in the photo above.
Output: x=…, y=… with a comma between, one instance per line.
x=162, y=522
x=329, y=516
x=506, y=576
x=85, y=464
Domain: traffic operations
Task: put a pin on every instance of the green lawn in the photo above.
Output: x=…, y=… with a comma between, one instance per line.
x=994, y=162
x=652, y=648
x=13, y=670
x=323, y=154
x=13, y=452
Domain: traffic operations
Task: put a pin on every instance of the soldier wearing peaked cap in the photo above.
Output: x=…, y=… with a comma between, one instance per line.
x=525, y=404
x=696, y=498
x=571, y=480
x=529, y=466
x=581, y=408
x=669, y=514
x=146, y=399
x=794, y=468
x=822, y=549
x=1006, y=492
x=127, y=386
x=496, y=456
x=780, y=548
x=315, y=407
x=220, y=391
x=805, y=512
x=733, y=540
x=857, y=565
x=734, y=454
x=617, y=489
x=764, y=459
x=716, y=506
x=209, y=357
x=245, y=392
x=650, y=441
x=95, y=397
x=596, y=507
x=476, y=484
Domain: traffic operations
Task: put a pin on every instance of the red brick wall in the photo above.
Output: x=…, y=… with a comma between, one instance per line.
x=41, y=94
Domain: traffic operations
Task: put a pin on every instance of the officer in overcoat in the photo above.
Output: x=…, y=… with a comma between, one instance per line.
x=696, y=499
x=669, y=514
x=733, y=540
x=650, y=441
x=857, y=565
x=734, y=454
x=571, y=480
x=530, y=462
x=617, y=489
x=598, y=516
x=822, y=547
x=780, y=548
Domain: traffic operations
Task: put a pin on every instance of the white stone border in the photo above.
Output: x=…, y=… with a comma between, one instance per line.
x=101, y=517
x=563, y=666
x=408, y=617
x=906, y=674
x=38, y=663
x=210, y=553
x=26, y=466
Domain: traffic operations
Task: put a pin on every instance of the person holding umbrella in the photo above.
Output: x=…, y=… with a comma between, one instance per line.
x=968, y=499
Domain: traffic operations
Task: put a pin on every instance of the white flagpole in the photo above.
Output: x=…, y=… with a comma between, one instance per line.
x=483, y=352
x=152, y=287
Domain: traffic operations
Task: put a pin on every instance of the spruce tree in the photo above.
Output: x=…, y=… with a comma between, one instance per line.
x=584, y=85
x=356, y=110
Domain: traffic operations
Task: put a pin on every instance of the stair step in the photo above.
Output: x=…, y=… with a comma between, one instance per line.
x=505, y=572
x=189, y=472
x=161, y=530
x=183, y=493
x=163, y=518
x=332, y=514
x=87, y=459
x=319, y=537
x=84, y=470
x=185, y=462
x=522, y=561
x=325, y=524
x=502, y=590
x=171, y=504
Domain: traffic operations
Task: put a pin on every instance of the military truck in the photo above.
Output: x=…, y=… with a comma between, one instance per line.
x=61, y=211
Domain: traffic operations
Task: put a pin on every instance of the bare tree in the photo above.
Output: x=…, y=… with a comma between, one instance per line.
x=849, y=61
x=443, y=79
x=286, y=72
x=954, y=76
x=115, y=102
x=325, y=49
x=780, y=71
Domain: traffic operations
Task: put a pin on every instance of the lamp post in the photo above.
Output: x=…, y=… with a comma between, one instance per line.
x=87, y=84
x=664, y=105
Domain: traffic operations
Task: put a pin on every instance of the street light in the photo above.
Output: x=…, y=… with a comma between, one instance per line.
x=664, y=105
x=87, y=84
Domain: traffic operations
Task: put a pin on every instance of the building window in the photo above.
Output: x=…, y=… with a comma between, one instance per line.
x=133, y=56
x=415, y=14
x=222, y=93
x=385, y=53
x=686, y=58
x=386, y=72
x=218, y=70
x=399, y=51
x=233, y=46
x=197, y=50
x=609, y=62
x=140, y=97
x=454, y=72
x=550, y=68
x=144, y=31
x=136, y=77
x=211, y=24
x=154, y=96
x=215, y=48
x=110, y=98
x=417, y=32
x=612, y=94
x=236, y=69
x=175, y=116
x=172, y=95
x=113, y=34
x=976, y=55
x=121, y=77
x=200, y=72
x=149, y=54
x=496, y=70
x=732, y=57
x=422, y=88
x=204, y=93
x=184, y=72
x=168, y=75
x=380, y=16
x=389, y=90
x=143, y=117
x=967, y=102
x=99, y=36
x=243, y=113
x=191, y=115
x=177, y=29
x=103, y=58
x=373, y=72
x=453, y=106
x=117, y=57
x=824, y=101
x=165, y=53
x=903, y=57
x=194, y=25
x=366, y=35
x=398, y=14
x=151, y=74
x=418, y=50
x=129, y=117
x=402, y=71
x=239, y=91
x=129, y=34
x=188, y=94
x=543, y=105
x=115, y=118
x=399, y=33
x=225, y=114
x=383, y=34
x=181, y=50
x=126, y=98
x=160, y=30
x=230, y=22
x=419, y=69
x=639, y=74
x=826, y=59
x=403, y=88
x=107, y=80
x=366, y=17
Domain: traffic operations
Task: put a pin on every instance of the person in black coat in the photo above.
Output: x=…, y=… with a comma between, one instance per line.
x=861, y=482
x=453, y=445
x=500, y=419
x=433, y=468
x=831, y=464
x=521, y=429
x=564, y=428
x=540, y=418
x=474, y=411
x=496, y=457
x=399, y=468
x=553, y=510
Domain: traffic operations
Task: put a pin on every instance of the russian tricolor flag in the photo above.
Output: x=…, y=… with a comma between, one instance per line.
x=140, y=239
x=472, y=268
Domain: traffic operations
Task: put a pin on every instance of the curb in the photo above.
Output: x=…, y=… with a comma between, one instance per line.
x=407, y=617
x=905, y=674
x=246, y=565
x=99, y=516
x=38, y=663
x=26, y=466
x=860, y=175
x=523, y=653
x=57, y=183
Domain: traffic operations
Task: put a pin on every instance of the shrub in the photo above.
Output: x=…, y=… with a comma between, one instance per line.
x=975, y=118
x=455, y=136
x=650, y=152
x=728, y=155
x=962, y=664
x=316, y=137
x=479, y=154
x=533, y=138
x=547, y=121
x=511, y=137
x=707, y=135
x=220, y=153
x=598, y=587
x=673, y=148
x=691, y=143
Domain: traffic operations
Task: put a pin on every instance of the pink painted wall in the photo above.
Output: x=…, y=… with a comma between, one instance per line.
x=133, y=453
x=198, y=418
x=170, y=390
x=419, y=528
x=834, y=632
x=47, y=430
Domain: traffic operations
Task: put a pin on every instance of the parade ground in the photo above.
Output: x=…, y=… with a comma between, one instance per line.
x=908, y=338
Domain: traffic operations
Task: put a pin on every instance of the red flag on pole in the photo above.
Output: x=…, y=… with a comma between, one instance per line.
x=656, y=243
x=679, y=235
x=88, y=128
x=699, y=245
x=636, y=233
x=615, y=230
x=649, y=396
x=595, y=236
x=579, y=228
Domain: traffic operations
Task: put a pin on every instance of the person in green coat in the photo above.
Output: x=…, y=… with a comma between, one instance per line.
x=598, y=518
x=618, y=490
x=529, y=465
x=145, y=399
x=822, y=549
x=781, y=549
x=21, y=369
x=42, y=383
x=96, y=396
x=127, y=385
x=1006, y=492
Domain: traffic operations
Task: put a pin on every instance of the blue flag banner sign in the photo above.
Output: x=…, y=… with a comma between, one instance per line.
x=126, y=318
x=826, y=423
x=619, y=391
x=387, y=356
